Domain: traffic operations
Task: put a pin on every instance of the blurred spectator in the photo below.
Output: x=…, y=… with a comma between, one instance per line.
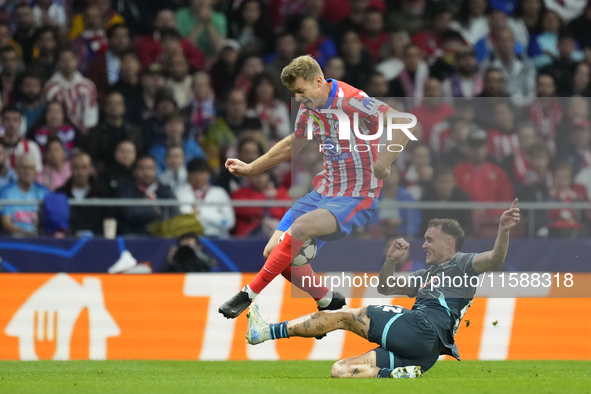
x=285, y=51
x=580, y=85
x=420, y=170
x=517, y=165
x=217, y=220
x=466, y=81
x=377, y=85
x=120, y=170
x=44, y=55
x=583, y=178
x=443, y=67
x=102, y=17
x=22, y=220
x=174, y=130
x=355, y=21
x=7, y=174
x=137, y=12
x=188, y=256
x=567, y=10
x=251, y=67
x=493, y=91
x=14, y=143
x=153, y=127
x=104, y=68
x=249, y=149
x=49, y=13
x=581, y=26
x=441, y=140
x=334, y=68
x=75, y=92
x=175, y=173
x=429, y=40
x=151, y=80
x=357, y=59
x=265, y=104
x=527, y=19
x=313, y=9
x=409, y=15
x=258, y=221
x=518, y=71
x=225, y=69
x=374, y=34
x=53, y=122
x=135, y=219
x=459, y=131
x=251, y=27
x=543, y=47
x=498, y=21
x=24, y=34
x=576, y=114
x=6, y=39
x=81, y=185
x=482, y=180
x=92, y=38
x=443, y=189
x=565, y=223
x=471, y=20
x=411, y=81
x=578, y=152
x=537, y=177
x=312, y=42
x=502, y=138
x=389, y=220
x=129, y=87
x=56, y=170
x=103, y=139
x=564, y=63
x=150, y=48
x=433, y=108
x=9, y=63
x=545, y=112
x=179, y=80
x=29, y=98
x=224, y=132
x=392, y=54
x=202, y=26
x=202, y=110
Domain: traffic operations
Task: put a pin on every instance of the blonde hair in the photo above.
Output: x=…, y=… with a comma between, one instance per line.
x=305, y=67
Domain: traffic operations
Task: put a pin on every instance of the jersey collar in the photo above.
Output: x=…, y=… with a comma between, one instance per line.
x=333, y=92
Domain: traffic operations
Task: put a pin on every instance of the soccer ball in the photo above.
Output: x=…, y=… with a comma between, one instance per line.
x=306, y=254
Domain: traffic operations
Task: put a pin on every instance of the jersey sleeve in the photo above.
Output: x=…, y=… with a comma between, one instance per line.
x=465, y=262
x=416, y=283
x=301, y=123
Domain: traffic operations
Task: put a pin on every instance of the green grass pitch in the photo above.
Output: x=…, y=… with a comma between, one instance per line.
x=301, y=377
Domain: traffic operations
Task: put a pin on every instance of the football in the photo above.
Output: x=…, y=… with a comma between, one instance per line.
x=306, y=254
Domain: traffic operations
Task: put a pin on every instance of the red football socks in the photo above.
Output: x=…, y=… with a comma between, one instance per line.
x=280, y=258
x=295, y=275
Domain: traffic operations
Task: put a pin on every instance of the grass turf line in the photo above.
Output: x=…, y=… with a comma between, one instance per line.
x=299, y=377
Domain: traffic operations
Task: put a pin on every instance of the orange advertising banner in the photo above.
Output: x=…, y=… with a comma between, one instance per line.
x=96, y=316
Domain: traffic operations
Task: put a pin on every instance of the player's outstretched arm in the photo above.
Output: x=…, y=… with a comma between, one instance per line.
x=279, y=153
x=381, y=167
x=387, y=284
x=486, y=261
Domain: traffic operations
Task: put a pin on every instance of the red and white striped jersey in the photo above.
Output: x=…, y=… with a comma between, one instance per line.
x=77, y=95
x=501, y=145
x=348, y=167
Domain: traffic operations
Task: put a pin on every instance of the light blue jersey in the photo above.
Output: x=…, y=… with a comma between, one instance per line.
x=23, y=216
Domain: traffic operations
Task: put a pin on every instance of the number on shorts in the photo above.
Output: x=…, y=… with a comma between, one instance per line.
x=390, y=308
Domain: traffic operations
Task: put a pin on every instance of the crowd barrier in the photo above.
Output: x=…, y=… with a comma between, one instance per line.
x=96, y=316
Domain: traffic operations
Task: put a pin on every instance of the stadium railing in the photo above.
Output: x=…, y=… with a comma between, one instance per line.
x=528, y=208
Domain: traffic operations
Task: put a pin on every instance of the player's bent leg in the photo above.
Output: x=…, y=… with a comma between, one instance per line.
x=314, y=224
x=312, y=325
x=363, y=366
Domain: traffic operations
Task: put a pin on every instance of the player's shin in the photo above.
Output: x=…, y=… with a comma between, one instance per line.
x=280, y=258
x=306, y=279
x=315, y=324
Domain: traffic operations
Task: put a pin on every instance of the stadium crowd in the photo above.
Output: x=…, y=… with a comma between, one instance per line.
x=146, y=99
